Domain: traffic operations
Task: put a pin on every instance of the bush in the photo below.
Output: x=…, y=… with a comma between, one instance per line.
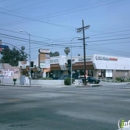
x=119, y=79
x=67, y=81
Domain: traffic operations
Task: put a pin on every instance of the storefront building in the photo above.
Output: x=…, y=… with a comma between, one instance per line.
x=99, y=66
x=103, y=66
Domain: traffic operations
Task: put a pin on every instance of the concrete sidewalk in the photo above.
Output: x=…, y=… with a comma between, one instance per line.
x=114, y=83
x=102, y=83
x=40, y=86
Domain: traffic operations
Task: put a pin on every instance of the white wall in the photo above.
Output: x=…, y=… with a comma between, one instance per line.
x=48, y=82
x=111, y=62
x=35, y=82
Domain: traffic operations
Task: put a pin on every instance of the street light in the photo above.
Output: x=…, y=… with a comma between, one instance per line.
x=29, y=56
x=71, y=58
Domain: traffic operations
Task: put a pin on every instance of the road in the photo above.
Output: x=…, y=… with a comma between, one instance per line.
x=74, y=108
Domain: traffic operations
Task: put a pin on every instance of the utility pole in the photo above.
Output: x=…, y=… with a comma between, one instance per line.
x=84, y=47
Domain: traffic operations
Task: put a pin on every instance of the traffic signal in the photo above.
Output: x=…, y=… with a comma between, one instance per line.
x=69, y=63
x=31, y=64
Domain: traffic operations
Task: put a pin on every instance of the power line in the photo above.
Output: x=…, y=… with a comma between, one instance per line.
x=35, y=20
x=69, y=11
x=24, y=34
x=111, y=32
x=43, y=43
x=117, y=35
x=32, y=4
x=40, y=43
x=99, y=50
x=100, y=44
x=26, y=40
x=62, y=40
x=110, y=39
x=32, y=19
x=107, y=49
x=112, y=51
x=20, y=39
x=109, y=52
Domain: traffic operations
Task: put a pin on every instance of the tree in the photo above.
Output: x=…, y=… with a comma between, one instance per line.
x=67, y=50
x=12, y=56
x=23, y=55
x=54, y=54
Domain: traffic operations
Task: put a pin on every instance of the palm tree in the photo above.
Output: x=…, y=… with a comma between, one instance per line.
x=67, y=50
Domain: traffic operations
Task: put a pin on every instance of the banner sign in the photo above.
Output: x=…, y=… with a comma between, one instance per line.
x=44, y=60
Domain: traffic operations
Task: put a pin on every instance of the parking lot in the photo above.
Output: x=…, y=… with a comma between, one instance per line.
x=68, y=108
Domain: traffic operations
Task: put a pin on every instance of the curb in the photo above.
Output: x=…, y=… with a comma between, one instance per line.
x=90, y=85
x=96, y=85
x=20, y=85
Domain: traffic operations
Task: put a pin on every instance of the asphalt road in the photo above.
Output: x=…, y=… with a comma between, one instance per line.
x=90, y=108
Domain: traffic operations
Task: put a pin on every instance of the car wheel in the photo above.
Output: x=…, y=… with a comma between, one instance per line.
x=93, y=82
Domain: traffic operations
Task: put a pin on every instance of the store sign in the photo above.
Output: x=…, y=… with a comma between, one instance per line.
x=54, y=61
x=105, y=58
x=87, y=59
x=44, y=60
x=46, y=64
x=45, y=51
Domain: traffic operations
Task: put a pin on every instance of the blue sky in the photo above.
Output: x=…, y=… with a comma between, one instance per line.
x=52, y=25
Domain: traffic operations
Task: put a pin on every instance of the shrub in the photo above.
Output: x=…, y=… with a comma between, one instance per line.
x=120, y=79
x=67, y=81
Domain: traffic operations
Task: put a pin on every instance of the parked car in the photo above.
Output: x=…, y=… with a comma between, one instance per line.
x=92, y=80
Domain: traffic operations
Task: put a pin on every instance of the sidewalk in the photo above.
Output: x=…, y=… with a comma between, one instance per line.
x=114, y=83
x=102, y=83
x=39, y=85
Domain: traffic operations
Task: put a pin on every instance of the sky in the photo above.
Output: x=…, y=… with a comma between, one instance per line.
x=52, y=24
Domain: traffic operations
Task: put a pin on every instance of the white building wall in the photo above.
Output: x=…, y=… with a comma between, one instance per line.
x=104, y=62
x=111, y=62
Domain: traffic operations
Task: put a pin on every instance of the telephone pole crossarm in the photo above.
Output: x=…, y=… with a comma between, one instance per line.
x=82, y=38
x=82, y=28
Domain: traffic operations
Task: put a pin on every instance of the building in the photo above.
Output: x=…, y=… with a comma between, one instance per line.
x=99, y=66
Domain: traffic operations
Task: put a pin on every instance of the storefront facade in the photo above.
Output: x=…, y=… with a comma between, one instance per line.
x=111, y=66
x=99, y=66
